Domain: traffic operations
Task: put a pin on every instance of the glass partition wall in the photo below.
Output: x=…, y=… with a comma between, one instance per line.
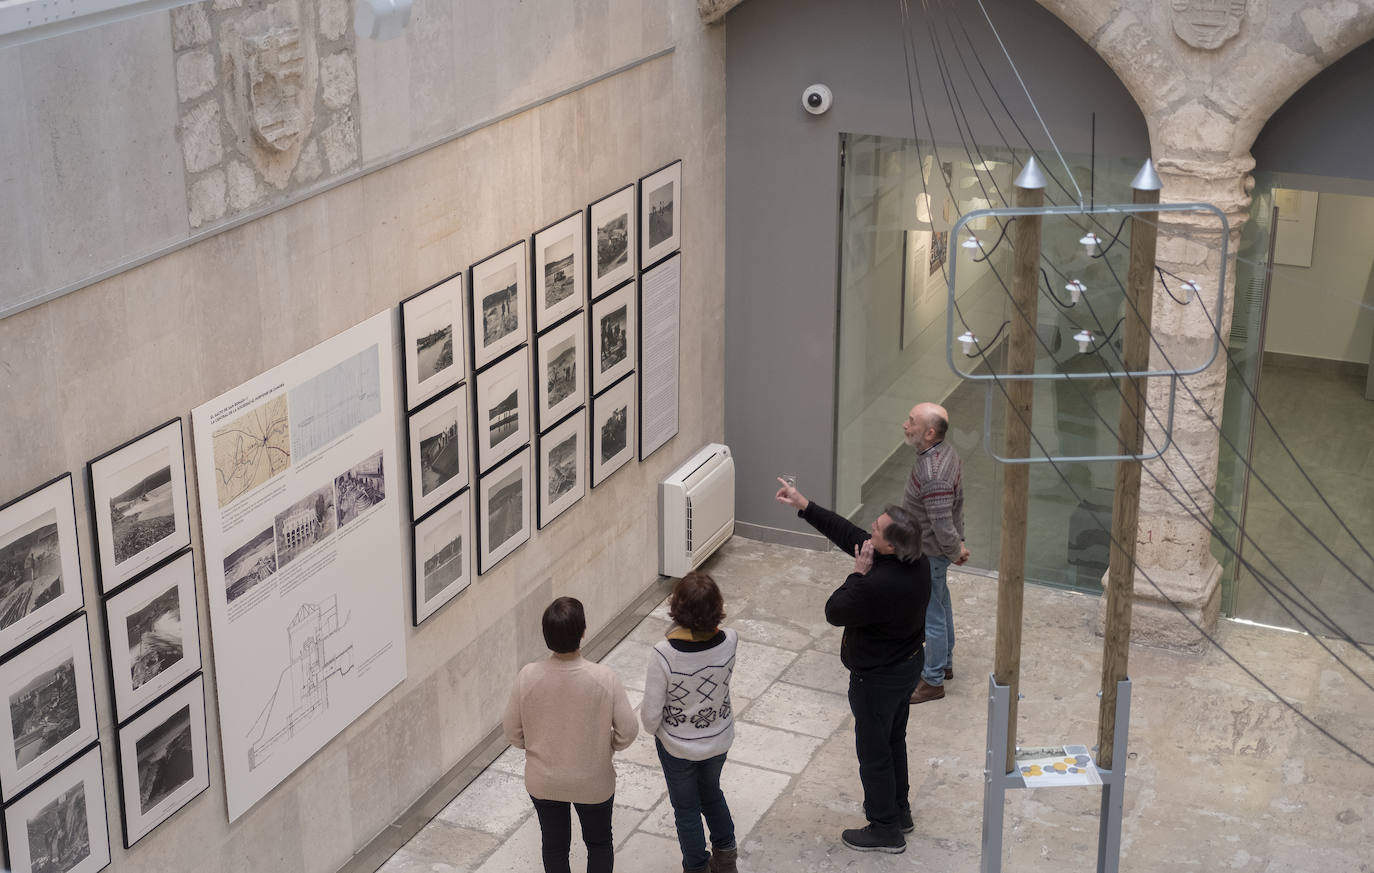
x=900, y=200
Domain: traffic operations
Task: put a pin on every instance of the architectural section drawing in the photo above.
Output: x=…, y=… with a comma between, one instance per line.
x=318, y=653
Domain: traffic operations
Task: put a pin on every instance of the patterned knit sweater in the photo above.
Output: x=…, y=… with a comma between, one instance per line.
x=935, y=494
x=687, y=699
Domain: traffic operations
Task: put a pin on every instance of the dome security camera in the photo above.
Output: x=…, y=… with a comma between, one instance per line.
x=817, y=99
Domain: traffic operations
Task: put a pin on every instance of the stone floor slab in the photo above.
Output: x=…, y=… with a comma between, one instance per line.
x=496, y=802
x=820, y=670
x=756, y=667
x=803, y=710
x=762, y=746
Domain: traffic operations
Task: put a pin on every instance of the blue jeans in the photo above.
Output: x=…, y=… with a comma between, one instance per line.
x=939, y=624
x=694, y=791
x=880, y=701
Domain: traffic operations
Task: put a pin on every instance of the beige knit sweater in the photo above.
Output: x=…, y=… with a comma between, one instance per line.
x=568, y=714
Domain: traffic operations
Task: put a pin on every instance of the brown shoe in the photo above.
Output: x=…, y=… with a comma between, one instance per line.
x=723, y=860
x=949, y=673
x=925, y=691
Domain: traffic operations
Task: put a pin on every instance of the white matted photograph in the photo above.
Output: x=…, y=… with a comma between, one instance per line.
x=503, y=502
x=432, y=331
x=59, y=826
x=438, y=450
x=501, y=422
x=613, y=429
x=49, y=695
x=443, y=555
x=614, y=328
x=660, y=214
x=138, y=492
x=499, y=291
x=163, y=760
x=562, y=373
x=611, y=240
x=559, y=280
x=562, y=467
x=153, y=631
x=40, y=564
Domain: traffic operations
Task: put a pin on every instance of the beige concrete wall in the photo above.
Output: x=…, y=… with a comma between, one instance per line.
x=84, y=372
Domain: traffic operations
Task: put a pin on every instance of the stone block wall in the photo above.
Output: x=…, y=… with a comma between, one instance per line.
x=85, y=371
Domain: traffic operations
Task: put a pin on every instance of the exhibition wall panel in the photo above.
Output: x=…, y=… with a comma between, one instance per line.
x=92, y=368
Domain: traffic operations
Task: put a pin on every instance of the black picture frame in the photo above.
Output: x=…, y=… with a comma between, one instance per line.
x=40, y=562
x=437, y=458
x=68, y=809
x=140, y=513
x=152, y=635
x=498, y=299
x=612, y=253
x=660, y=204
x=165, y=746
x=564, y=443
x=612, y=429
x=561, y=348
x=558, y=256
x=613, y=337
x=50, y=679
x=503, y=507
x=501, y=409
x=433, y=340
x=432, y=538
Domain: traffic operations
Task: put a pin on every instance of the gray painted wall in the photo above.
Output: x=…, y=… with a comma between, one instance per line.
x=1326, y=127
x=783, y=196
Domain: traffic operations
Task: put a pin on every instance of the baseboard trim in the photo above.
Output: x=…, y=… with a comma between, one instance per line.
x=1325, y=366
x=782, y=537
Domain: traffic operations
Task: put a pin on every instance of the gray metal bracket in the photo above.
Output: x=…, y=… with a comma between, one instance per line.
x=997, y=782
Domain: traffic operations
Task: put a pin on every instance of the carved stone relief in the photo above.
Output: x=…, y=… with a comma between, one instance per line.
x=274, y=82
x=1207, y=24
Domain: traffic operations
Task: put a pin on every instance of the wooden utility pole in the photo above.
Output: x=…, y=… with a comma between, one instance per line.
x=1135, y=356
x=1011, y=572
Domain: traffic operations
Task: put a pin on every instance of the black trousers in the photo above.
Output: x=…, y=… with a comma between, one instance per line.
x=880, y=701
x=555, y=827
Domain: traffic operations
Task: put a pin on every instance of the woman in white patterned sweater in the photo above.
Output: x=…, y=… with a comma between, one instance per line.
x=687, y=709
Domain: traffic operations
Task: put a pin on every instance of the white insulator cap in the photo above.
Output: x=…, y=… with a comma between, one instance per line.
x=971, y=242
x=1085, y=340
x=1090, y=241
x=1075, y=289
x=1189, y=289
x=969, y=340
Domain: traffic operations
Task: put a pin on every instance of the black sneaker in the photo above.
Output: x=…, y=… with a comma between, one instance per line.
x=904, y=821
x=872, y=839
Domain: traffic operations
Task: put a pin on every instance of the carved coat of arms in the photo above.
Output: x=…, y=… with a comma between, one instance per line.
x=1207, y=24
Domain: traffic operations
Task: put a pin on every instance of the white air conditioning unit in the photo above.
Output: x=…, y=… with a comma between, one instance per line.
x=696, y=510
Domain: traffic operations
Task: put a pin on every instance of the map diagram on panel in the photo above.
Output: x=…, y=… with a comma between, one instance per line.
x=318, y=654
x=335, y=402
x=251, y=449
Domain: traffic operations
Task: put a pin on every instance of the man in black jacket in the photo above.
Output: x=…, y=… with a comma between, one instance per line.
x=882, y=608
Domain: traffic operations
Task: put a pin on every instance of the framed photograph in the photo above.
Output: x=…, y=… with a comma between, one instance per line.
x=499, y=292
x=660, y=214
x=432, y=334
x=611, y=238
x=560, y=285
x=503, y=510
x=613, y=429
x=613, y=337
x=562, y=370
x=153, y=631
x=443, y=554
x=138, y=504
x=163, y=759
x=59, y=826
x=50, y=695
x=502, y=421
x=438, y=450
x=562, y=467
x=40, y=564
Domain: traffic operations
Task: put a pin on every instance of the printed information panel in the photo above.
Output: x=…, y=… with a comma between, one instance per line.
x=298, y=476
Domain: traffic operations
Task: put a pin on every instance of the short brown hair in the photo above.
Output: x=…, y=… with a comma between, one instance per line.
x=696, y=603
x=564, y=624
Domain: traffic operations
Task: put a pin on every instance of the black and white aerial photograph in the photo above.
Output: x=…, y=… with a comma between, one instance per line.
x=163, y=759
x=438, y=438
x=499, y=289
x=613, y=336
x=40, y=570
x=614, y=220
x=560, y=372
x=44, y=711
x=59, y=826
x=562, y=363
x=432, y=326
x=304, y=524
x=502, y=422
x=613, y=429
x=442, y=555
x=249, y=565
x=558, y=271
x=562, y=466
x=359, y=488
x=660, y=211
x=505, y=509
x=154, y=633
x=559, y=274
x=141, y=513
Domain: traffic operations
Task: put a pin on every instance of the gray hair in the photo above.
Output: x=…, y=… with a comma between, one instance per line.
x=903, y=532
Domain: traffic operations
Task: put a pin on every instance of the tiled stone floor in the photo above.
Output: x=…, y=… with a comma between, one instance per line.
x=1221, y=776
